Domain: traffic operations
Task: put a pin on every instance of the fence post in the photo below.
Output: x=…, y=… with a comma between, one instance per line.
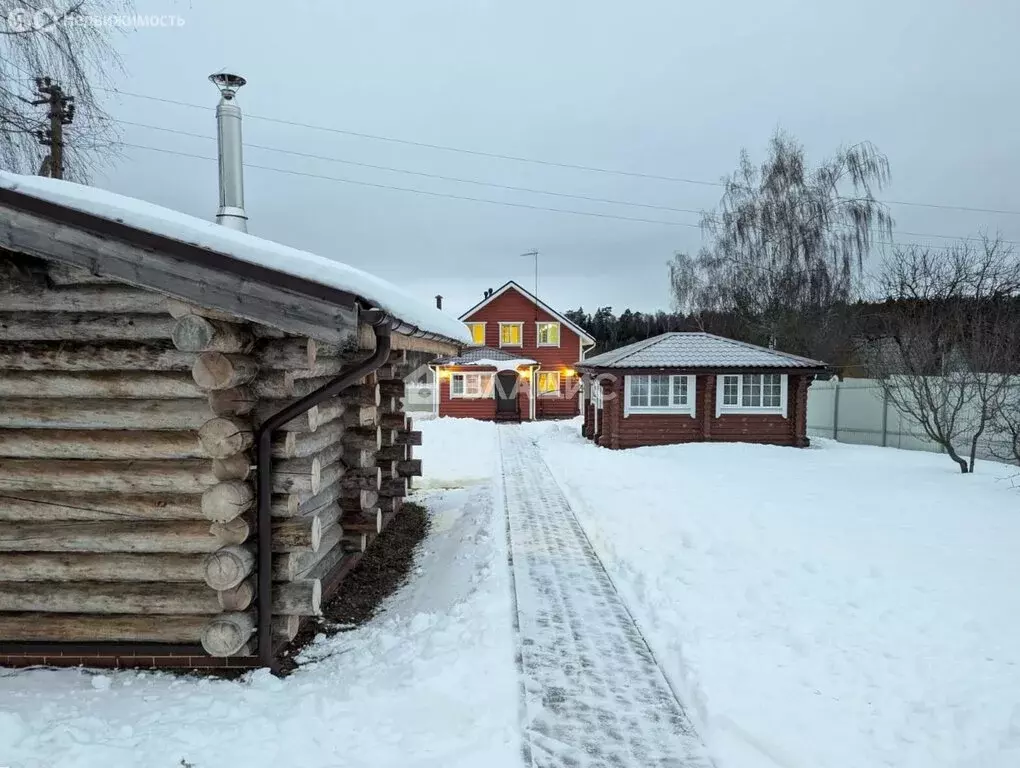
x=885, y=417
x=835, y=413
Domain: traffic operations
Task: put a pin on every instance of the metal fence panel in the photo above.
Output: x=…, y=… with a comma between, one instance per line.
x=855, y=411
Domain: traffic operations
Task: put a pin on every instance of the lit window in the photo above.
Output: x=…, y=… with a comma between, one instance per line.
x=548, y=383
x=510, y=334
x=548, y=334
x=471, y=385
x=658, y=392
x=753, y=391
x=477, y=333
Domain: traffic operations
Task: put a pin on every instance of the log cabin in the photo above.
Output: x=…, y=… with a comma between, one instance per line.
x=200, y=430
x=696, y=387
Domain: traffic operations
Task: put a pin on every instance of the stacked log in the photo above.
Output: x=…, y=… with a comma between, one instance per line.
x=105, y=478
x=311, y=478
x=127, y=466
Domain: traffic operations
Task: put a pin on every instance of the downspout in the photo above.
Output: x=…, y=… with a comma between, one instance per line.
x=381, y=324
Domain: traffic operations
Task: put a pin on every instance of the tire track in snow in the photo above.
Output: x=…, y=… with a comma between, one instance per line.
x=593, y=693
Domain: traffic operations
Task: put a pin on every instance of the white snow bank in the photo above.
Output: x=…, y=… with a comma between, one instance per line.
x=428, y=684
x=456, y=452
x=836, y=607
x=254, y=250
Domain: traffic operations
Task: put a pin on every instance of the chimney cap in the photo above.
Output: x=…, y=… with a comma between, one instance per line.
x=227, y=83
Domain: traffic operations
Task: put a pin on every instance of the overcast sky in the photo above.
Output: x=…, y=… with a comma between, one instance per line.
x=660, y=87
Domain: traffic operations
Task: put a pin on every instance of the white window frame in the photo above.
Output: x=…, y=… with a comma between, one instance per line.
x=486, y=389
x=721, y=409
x=559, y=384
x=520, y=326
x=596, y=393
x=476, y=322
x=689, y=408
x=538, y=333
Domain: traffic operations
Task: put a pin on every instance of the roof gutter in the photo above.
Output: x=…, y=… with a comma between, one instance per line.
x=382, y=325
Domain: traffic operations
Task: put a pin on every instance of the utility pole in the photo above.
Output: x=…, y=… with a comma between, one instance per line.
x=61, y=113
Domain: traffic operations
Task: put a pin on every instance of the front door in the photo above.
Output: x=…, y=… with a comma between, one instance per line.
x=506, y=394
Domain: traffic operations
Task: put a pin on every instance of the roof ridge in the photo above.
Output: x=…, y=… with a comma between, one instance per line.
x=749, y=345
x=622, y=353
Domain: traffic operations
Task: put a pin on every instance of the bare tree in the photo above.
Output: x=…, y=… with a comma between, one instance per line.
x=70, y=42
x=787, y=241
x=947, y=348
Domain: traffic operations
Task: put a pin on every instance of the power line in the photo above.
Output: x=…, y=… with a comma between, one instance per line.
x=521, y=159
x=427, y=145
x=489, y=184
x=412, y=190
x=467, y=198
x=422, y=174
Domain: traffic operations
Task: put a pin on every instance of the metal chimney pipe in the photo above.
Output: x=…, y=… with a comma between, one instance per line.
x=228, y=129
x=439, y=301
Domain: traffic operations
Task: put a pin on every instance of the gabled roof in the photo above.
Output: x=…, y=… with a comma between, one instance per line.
x=586, y=339
x=183, y=251
x=696, y=350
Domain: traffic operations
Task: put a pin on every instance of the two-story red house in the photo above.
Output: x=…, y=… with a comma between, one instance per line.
x=521, y=366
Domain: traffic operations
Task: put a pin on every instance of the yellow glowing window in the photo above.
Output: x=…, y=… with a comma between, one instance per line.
x=477, y=333
x=548, y=383
x=510, y=334
x=548, y=334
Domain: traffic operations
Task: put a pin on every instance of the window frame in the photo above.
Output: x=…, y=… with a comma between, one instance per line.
x=538, y=333
x=558, y=392
x=470, y=325
x=520, y=334
x=722, y=409
x=689, y=408
x=485, y=391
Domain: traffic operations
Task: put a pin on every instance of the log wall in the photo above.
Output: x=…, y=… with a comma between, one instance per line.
x=127, y=477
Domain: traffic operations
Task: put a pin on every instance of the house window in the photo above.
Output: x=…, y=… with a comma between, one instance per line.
x=596, y=393
x=471, y=385
x=477, y=333
x=762, y=392
x=548, y=383
x=510, y=334
x=548, y=334
x=659, y=393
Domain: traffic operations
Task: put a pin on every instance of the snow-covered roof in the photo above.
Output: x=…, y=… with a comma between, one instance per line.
x=204, y=234
x=486, y=357
x=696, y=350
x=586, y=338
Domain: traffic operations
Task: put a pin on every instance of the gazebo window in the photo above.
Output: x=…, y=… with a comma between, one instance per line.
x=753, y=392
x=658, y=393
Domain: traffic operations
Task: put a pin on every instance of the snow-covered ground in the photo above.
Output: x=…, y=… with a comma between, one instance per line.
x=836, y=607
x=430, y=683
x=456, y=452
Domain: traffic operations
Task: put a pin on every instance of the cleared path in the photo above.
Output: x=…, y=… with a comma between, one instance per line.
x=593, y=693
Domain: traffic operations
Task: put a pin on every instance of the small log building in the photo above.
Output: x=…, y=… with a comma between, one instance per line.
x=696, y=387
x=144, y=357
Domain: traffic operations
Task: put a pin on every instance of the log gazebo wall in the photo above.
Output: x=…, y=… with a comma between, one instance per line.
x=127, y=488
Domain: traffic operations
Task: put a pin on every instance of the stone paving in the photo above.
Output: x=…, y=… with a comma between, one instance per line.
x=593, y=693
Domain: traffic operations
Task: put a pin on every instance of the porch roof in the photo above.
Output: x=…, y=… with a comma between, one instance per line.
x=485, y=357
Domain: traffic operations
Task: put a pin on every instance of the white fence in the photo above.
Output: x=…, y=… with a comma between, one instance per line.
x=856, y=411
